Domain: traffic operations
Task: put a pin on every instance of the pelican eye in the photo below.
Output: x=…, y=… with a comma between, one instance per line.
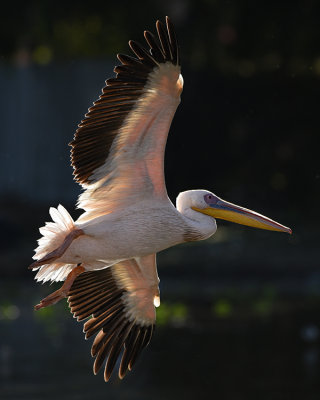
x=210, y=199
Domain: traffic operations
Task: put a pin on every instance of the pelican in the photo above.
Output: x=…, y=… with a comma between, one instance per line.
x=107, y=257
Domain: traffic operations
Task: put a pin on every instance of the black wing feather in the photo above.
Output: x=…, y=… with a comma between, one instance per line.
x=96, y=294
x=96, y=132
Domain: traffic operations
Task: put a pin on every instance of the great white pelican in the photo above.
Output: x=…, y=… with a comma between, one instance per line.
x=107, y=257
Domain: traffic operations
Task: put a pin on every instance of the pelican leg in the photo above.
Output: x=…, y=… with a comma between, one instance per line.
x=61, y=293
x=53, y=255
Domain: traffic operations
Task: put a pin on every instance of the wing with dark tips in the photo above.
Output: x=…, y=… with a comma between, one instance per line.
x=120, y=301
x=129, y=123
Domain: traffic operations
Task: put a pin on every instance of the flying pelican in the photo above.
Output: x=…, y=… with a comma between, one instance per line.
x=107, y=258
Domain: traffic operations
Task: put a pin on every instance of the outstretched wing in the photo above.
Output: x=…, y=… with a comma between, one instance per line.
x=121, y=300
x=118, y=150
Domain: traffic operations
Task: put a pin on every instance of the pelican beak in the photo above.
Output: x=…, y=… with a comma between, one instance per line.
x=231, y=212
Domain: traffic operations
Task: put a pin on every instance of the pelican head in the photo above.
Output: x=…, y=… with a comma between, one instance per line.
x=205, y=202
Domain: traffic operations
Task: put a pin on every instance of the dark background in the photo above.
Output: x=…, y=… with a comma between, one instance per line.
x=240, y=313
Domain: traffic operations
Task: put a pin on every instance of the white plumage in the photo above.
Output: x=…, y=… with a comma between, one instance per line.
x=107, y=258
x=53, y=235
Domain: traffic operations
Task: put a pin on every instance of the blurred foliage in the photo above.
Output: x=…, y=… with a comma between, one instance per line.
x=222, y=308
x=52, y=318
x=175, y=313
x=240, y=38
x=9, y=312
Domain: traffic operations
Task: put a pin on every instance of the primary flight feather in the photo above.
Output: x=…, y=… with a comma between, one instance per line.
x=107, y=258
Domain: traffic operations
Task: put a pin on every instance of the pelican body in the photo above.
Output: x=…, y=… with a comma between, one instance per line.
x=135, y=233
x=107, y=258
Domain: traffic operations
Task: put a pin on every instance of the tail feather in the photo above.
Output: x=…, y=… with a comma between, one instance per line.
x=53, y=235
x=54, y=272
x=61, y=217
